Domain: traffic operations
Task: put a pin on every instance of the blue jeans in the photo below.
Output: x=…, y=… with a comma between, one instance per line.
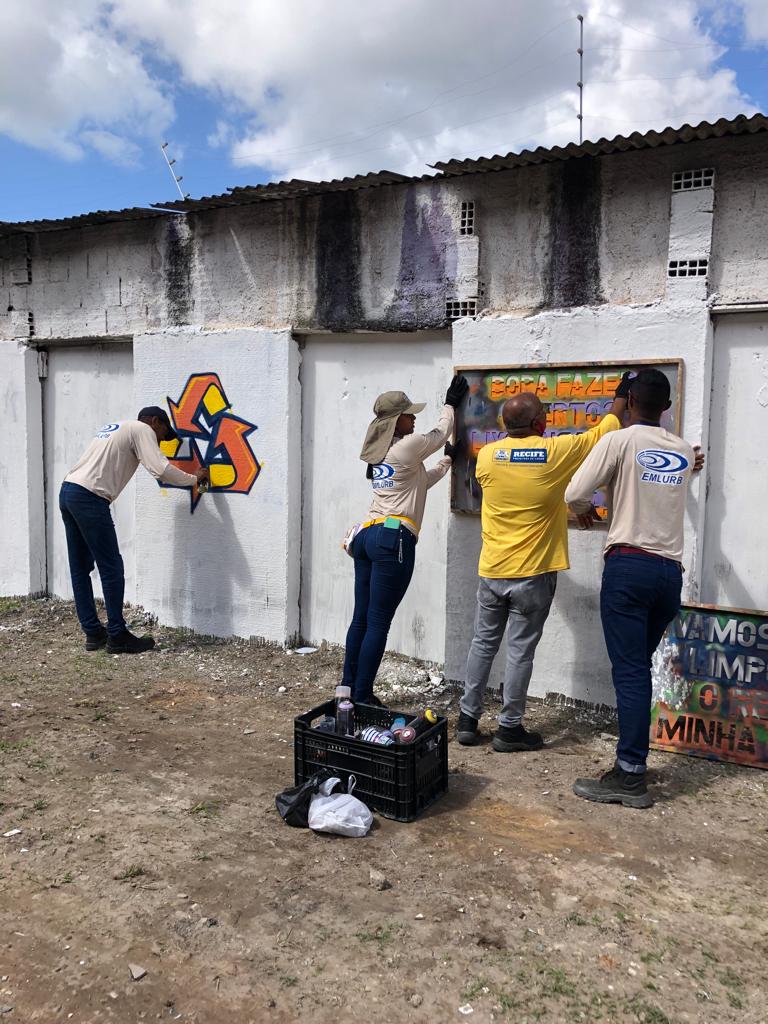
x=91, y=538
x=384, y=560
x=639, y=598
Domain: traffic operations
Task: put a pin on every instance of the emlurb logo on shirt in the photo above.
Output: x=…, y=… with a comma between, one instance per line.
x=661, y=466
x=382, y=475
x=107, y=429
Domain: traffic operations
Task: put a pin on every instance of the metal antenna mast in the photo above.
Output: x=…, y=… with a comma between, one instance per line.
x=580, y=82
x=176, y=177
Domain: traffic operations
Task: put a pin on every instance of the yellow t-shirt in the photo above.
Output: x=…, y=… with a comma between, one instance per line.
x=524, y=515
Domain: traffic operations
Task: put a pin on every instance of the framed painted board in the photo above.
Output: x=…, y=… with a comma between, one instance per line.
x=710, y=685
x=577, y=396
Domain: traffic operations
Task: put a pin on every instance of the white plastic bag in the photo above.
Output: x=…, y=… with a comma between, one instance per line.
x=340, y=813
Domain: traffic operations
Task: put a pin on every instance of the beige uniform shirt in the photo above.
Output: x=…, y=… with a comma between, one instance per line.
x=400, y=482
x=645, y=473
x=113, y=456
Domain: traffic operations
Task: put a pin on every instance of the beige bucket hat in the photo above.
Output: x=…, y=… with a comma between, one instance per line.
x=387, y=408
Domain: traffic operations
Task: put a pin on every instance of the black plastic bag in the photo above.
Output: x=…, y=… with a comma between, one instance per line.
x=293, y=804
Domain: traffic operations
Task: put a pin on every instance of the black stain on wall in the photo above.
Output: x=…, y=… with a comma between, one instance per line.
x=574, y=263
x=179, y=245
x=337, y=262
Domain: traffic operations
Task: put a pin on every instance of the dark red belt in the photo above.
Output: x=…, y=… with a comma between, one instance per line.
x=627, y=549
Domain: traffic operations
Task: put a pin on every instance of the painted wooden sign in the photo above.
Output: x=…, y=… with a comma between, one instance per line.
x=710, y=685
x=576, y=395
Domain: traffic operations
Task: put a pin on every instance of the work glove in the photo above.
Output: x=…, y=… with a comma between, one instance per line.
x=452, y=450
x=456, y=391
x=622, y=391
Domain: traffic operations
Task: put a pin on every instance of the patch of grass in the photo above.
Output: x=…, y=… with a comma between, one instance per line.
x=478, y=987
x=133, y=871
x=10, y=604
x=39, y=804
x=647, y=1013
x=100, y=838
x=12, y=746
x=69, y=877
x=653, y=956
x=577, y=919
x=201, y=855
x=728, y=978
x=288, y=980
x=554, y=982
x=382, y=934
x=734, y=1001
x=622, y=916
x=39, y=763
x=205, y=809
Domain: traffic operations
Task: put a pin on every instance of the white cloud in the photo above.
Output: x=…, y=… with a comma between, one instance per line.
x=64, y=71
x=348, y=86
x=115, y=148
x=755, y=20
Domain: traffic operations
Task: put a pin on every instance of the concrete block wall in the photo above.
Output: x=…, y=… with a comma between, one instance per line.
x=558, y=235
x=232, y=566
x=22, y=502
x=571, y=658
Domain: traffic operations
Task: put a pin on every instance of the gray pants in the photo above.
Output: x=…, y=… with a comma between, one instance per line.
x=524, y=603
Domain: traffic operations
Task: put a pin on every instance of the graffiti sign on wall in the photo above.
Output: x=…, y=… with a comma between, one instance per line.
x=575, y=395
x=710, y=686
x=211, y=435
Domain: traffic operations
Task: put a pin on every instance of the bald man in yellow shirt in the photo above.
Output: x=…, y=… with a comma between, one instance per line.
x=525, y=545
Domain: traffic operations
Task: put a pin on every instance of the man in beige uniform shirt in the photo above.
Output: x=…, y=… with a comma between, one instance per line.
x=645, y=471
x=102, y=472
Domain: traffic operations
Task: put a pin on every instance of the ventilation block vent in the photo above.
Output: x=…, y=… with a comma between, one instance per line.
x=467, y=226
x=684, y=181
x=454, y=309
x=687, y=268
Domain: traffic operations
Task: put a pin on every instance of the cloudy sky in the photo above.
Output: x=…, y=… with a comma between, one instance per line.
x=273, y=89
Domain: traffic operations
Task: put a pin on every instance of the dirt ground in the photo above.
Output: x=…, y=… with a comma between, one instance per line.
x=144, y=791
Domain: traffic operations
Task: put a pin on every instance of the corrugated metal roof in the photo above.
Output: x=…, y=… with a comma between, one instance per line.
x=241, y=196
x=81, y=220
x=741, y=125
x=292, y=190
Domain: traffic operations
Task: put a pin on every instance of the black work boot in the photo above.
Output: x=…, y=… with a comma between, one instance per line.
x=507, y=739
x=615, y=787
x=95, y=641
x=127, y=643
x=466, y=730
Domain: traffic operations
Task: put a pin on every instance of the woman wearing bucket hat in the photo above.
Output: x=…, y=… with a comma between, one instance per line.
x=384, y=547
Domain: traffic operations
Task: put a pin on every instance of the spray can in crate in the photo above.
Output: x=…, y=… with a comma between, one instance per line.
x=373, y=735
x=423, y=721
x=345, y=712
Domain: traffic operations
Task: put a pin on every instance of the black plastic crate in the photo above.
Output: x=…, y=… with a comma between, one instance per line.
x=398, y=781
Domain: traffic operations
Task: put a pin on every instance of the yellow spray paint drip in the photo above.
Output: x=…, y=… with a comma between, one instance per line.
x=221, y=476
x=214, y=400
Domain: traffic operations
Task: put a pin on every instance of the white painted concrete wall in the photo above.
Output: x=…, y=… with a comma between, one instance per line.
x=341, y=377
x=735, y=566
x=22, y=515
x=232, y=567
x=571, y=658
x=87, y=386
